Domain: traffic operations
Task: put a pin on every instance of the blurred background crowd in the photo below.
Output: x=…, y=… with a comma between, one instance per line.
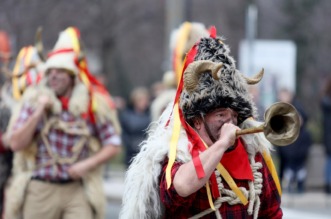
x=127, y=44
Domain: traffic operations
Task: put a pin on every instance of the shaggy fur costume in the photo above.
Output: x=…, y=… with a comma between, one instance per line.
x=24, y=161
x=229, y=91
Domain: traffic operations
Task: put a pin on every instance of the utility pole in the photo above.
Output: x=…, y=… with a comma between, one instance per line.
x=175, y=15
x=251, y=23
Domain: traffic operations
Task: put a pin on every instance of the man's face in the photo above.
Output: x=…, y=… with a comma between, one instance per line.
x=217, y=118
x=60, y=81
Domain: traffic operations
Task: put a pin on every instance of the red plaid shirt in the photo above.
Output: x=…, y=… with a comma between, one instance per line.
x=179, y=207
x=62, y=143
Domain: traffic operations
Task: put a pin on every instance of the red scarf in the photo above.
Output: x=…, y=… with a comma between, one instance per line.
x=64, y=102
x=236, y=162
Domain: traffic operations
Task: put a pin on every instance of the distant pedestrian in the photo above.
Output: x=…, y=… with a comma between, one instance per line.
x=135, y=119
x=326, y=121
x=293, y=157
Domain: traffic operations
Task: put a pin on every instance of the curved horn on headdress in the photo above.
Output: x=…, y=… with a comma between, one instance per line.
x=39, y=44
x=255, y=79
x=193, y=70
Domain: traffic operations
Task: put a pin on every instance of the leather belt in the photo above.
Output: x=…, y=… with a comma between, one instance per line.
x=54, y=181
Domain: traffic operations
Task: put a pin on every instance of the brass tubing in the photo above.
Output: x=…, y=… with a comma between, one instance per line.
x=250, y=130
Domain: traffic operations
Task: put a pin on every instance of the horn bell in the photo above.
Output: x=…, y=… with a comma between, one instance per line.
x=282, y=124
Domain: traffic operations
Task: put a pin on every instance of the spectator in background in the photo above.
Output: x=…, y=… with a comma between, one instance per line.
x=326, y=121
x=157, y=88
x=120, y=102
x=6, y=154
x=134, y=121
x=294, y=156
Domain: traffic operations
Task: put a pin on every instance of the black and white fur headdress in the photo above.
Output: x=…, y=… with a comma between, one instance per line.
x=212, y=81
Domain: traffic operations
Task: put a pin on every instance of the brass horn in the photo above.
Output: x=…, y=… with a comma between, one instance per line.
x=281, y=124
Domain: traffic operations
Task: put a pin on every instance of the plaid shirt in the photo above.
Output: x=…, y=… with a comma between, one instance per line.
x=179, y=207
x=62, y=143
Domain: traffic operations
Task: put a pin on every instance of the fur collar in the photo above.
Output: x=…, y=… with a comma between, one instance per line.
x=78, y=102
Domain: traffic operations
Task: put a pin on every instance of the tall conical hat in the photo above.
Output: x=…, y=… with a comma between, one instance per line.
x=68, y=54
x=181, y=41
x=63, y=54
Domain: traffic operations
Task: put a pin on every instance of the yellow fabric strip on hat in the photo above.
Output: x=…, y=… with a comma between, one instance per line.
x=73, y=36
x=16, y=92
x=270, y=164
x=173, y=144
x=27, y=62
x=94, y=103
x=183, y=35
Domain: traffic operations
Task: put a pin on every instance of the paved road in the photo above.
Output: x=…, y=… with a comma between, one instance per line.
x=310, y=205
x=113, y=210
x=305, y=214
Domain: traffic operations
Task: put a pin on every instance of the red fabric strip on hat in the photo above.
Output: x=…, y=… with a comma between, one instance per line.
x=60, y=51
x=236, y=162
x=212, y=32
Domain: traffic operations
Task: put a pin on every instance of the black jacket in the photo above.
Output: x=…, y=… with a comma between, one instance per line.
x=326, y=121
x=134, y=126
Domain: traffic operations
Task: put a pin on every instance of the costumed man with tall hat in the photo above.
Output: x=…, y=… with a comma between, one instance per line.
x=181, y=40
x=192, y=165
x=62, y=131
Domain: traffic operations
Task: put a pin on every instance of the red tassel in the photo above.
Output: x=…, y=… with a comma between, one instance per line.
x=212, y=32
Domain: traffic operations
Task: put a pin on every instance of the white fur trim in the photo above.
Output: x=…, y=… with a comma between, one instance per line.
x=141, y=195
x=62, y=60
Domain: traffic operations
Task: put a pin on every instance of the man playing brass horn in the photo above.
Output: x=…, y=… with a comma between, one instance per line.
x=192, y=165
